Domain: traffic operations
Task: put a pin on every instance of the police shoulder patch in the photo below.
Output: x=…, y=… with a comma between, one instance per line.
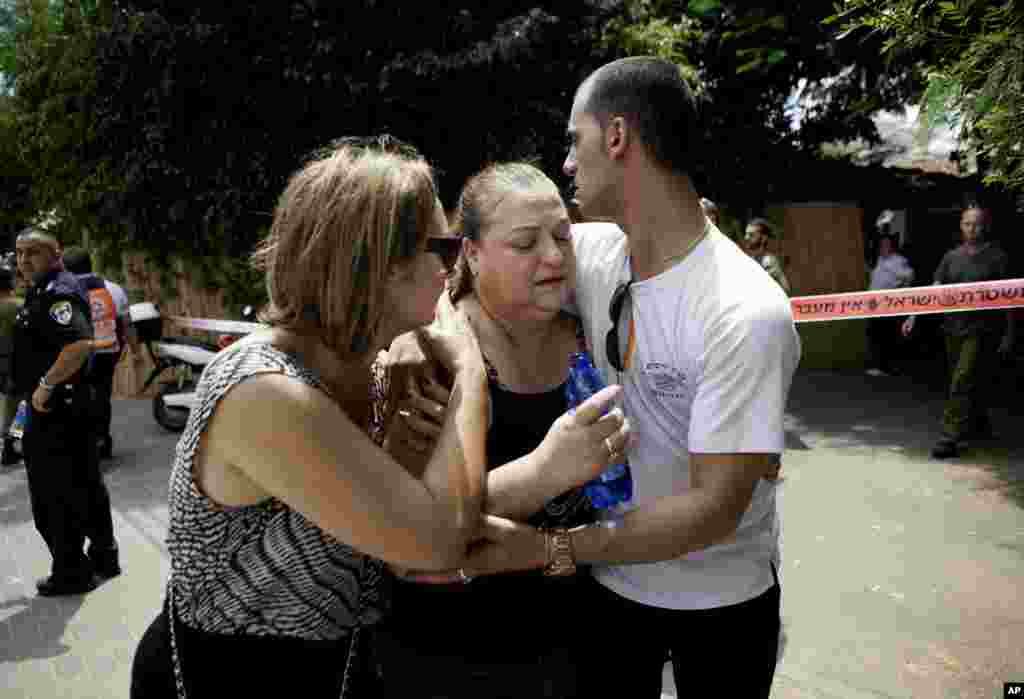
x=61, y=312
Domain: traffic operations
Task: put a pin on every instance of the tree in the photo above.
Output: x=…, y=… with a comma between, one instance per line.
x=49, y=127
x=208, y=107
x=972, y=54
x=748, y=61
x=172, y=127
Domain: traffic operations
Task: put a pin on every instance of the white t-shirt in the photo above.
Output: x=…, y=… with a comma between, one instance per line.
x=715, y=353
x=891, y=272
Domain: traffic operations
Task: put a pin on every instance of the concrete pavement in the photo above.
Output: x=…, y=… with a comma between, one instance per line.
x=902, y=576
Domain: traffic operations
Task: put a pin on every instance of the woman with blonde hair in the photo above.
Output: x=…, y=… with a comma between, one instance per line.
x=513, y=635
x=282, y=507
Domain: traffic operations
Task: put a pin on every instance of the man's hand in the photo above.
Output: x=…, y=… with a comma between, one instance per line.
x=39, y=398
x=908, y=326
x=1006, y=345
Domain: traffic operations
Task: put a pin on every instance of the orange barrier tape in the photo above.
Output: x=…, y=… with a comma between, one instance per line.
x=918, y=300
x=230, y=327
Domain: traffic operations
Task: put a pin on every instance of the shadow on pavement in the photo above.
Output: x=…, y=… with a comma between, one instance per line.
x=38, y=626
x=14, y=502
x=903, y=414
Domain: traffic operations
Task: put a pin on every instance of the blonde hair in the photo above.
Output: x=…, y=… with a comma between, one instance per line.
x=479, y=198
x=341, y=226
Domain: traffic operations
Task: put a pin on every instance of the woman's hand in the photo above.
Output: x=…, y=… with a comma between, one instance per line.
x=420, y=401
x=579, y=445
x=450, y=339
x=420, y=412
x=504, y=546
x=584, y=442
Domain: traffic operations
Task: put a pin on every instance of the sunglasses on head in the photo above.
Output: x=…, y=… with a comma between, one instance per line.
x=612, y=344
x=447, y=249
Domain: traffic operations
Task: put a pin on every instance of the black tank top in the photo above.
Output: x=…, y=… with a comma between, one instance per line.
x=517, y=613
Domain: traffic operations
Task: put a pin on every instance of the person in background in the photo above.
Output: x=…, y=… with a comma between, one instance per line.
x=9, y=306
x=113, y=331
x=975, y=340
x=710, y=210
x=891, y=271
x=755, y=241
x=53, y=339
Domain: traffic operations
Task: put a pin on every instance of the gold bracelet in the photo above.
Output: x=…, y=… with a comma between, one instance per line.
x=561, y=559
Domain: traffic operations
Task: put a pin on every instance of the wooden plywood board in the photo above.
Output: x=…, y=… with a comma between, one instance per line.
x=823, y=247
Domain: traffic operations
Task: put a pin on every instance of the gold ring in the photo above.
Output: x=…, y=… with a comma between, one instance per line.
x=609, y=447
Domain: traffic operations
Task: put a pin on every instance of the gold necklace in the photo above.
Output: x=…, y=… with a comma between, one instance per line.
x=691, y=245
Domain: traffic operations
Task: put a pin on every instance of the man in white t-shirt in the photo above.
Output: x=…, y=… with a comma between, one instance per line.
x=703, y=342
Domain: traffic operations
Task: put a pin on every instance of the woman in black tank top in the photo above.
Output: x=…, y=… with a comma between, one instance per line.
x=512, y=635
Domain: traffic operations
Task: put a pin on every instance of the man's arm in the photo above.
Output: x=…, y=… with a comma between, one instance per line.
x=736, y=422
x=665, y=529
x=1010, y=334
x=71, y=359
x=722, y=486
x=774, y=268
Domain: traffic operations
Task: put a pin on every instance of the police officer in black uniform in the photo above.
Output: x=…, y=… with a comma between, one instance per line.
x=52, y=345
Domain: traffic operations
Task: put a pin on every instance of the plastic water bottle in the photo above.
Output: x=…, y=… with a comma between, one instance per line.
x=613, y=489
x=17, y=429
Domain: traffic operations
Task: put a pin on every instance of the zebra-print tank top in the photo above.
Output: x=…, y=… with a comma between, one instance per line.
x=261, y=569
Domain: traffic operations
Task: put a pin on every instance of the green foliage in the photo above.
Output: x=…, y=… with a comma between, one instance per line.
x=746, y=60
x=653, y=28
x=209, y=108
x=54, y=132
x=973, y=59
x=172, y=127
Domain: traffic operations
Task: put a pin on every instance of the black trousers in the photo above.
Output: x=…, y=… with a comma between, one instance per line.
x=70, y=502
x=102, y=377
x=729, y=651
x=240, y=665
x=546, y=669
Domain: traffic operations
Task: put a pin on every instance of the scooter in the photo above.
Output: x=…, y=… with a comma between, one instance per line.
x=186, y=357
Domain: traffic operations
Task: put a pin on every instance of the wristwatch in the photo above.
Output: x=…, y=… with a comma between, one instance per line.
x=561, y=560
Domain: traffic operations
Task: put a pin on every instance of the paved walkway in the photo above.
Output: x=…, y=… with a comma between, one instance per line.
x=903, y=576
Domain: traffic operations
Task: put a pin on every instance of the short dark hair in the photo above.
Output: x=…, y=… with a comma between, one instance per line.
x=655, y=100
x=77, y=260
x=762, y=223
x=39, y=236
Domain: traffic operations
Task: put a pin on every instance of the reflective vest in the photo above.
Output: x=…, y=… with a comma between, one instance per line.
x=104, y=313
